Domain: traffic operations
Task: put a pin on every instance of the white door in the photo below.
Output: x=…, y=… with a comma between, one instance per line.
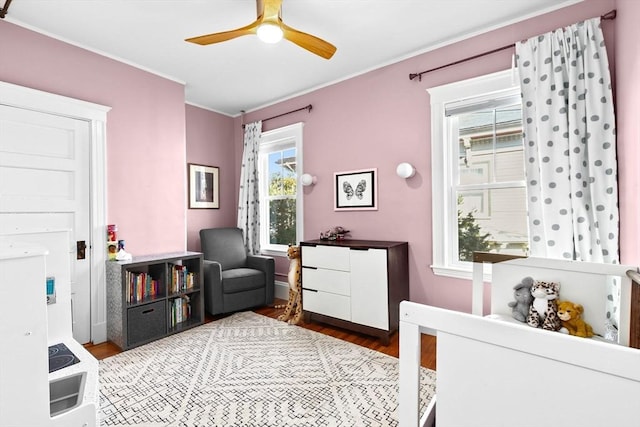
x=44, y=185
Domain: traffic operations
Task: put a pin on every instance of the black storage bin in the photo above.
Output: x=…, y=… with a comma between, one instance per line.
x=146, y=323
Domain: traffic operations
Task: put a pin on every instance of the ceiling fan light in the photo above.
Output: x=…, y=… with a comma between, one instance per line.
x=269, y=33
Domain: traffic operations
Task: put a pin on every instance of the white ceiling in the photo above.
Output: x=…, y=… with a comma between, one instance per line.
x=246, y=74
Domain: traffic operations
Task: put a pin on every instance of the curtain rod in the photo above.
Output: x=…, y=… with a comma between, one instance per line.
x=607, y=16
x=308, y=108
x=5, y=9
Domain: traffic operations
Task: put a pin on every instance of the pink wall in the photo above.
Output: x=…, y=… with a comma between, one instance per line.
x=374, y=120
x=210, y=142
x=382, y=118
x=628, y=127
x=145, y=131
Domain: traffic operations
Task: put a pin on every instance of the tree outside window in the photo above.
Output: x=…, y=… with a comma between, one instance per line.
x=282, y=200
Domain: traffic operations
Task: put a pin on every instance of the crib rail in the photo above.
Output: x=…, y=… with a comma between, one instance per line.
x=463, y=334
x=634, y=327
x=479, y=357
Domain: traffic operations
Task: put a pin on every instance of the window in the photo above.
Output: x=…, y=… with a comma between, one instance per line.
x=280, y=163
x=479, y=192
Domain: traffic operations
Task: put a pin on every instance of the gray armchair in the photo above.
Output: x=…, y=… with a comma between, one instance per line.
x=234, y=280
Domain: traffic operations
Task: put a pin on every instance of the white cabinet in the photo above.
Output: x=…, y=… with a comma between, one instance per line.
x=369, y=294
x=355, y=284
x=23, y=327
x=30, y=395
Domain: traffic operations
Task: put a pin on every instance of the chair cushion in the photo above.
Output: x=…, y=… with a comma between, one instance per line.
x=241, y=279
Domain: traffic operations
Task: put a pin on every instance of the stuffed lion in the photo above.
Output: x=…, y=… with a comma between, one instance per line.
x=569, y=314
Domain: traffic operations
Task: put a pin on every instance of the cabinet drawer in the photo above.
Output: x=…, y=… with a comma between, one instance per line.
x=326, y=257
x=336, y=282
x=338, y=306
x=146, y=322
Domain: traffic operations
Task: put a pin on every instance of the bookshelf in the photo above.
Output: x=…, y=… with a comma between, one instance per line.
x=153, y=296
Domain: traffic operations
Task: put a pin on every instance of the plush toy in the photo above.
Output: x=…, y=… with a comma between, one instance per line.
x=543, y=312
x=293, y=309
x=335, y=233
x=569, y=314
x=523, y=299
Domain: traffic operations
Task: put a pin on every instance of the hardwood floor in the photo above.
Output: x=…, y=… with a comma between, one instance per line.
x=428, y=359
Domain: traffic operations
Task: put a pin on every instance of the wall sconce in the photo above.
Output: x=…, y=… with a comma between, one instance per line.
x=307, y=180
x=405, y=170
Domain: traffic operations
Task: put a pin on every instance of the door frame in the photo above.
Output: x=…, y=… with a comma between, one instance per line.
x=96, y=115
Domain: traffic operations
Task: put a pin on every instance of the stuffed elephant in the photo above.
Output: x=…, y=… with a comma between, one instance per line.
x=523, y=299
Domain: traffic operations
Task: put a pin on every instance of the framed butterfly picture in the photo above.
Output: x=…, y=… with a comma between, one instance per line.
x=356, y=190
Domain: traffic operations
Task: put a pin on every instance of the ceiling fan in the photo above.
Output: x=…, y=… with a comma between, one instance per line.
x=270, y=28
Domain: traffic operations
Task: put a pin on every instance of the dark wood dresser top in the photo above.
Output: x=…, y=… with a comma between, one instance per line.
x=353, y=243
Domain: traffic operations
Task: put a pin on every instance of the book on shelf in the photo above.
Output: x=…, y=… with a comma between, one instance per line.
x=180, y=310
x=140, y=286
x=181, y=279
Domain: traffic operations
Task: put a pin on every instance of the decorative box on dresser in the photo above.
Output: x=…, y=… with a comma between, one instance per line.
x=355, y=284
x=171, y=302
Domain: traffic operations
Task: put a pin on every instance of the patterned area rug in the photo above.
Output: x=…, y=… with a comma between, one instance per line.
x=251, y=370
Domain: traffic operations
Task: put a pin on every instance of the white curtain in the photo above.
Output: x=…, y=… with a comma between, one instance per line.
x=570, y=144
x=249, y=196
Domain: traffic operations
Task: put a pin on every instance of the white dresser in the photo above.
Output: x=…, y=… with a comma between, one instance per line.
x=355, y=284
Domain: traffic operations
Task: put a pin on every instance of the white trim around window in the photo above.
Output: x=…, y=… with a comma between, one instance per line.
x=273, y=140
x=445, y=260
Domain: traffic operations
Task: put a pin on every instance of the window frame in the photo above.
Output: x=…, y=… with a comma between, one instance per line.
x=278, y=140
x=444, y=202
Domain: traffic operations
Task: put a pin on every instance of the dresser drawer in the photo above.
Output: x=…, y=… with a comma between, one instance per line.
x=329, y=257
x=338, y=306
x=320, y=279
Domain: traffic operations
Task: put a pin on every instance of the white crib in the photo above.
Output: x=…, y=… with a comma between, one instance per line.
x=494, y=371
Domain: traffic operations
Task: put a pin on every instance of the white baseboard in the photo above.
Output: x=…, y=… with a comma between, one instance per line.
x=99, y=333
x=281, y=290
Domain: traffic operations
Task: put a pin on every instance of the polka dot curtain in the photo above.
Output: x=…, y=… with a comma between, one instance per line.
x=249, y=195
x=570, y=144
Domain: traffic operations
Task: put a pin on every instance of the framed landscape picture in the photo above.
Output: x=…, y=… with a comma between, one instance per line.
x=204, y=186
x=356, y=190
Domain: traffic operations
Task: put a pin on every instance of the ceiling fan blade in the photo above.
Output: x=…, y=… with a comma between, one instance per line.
x=306, y=41
x=225, y=35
